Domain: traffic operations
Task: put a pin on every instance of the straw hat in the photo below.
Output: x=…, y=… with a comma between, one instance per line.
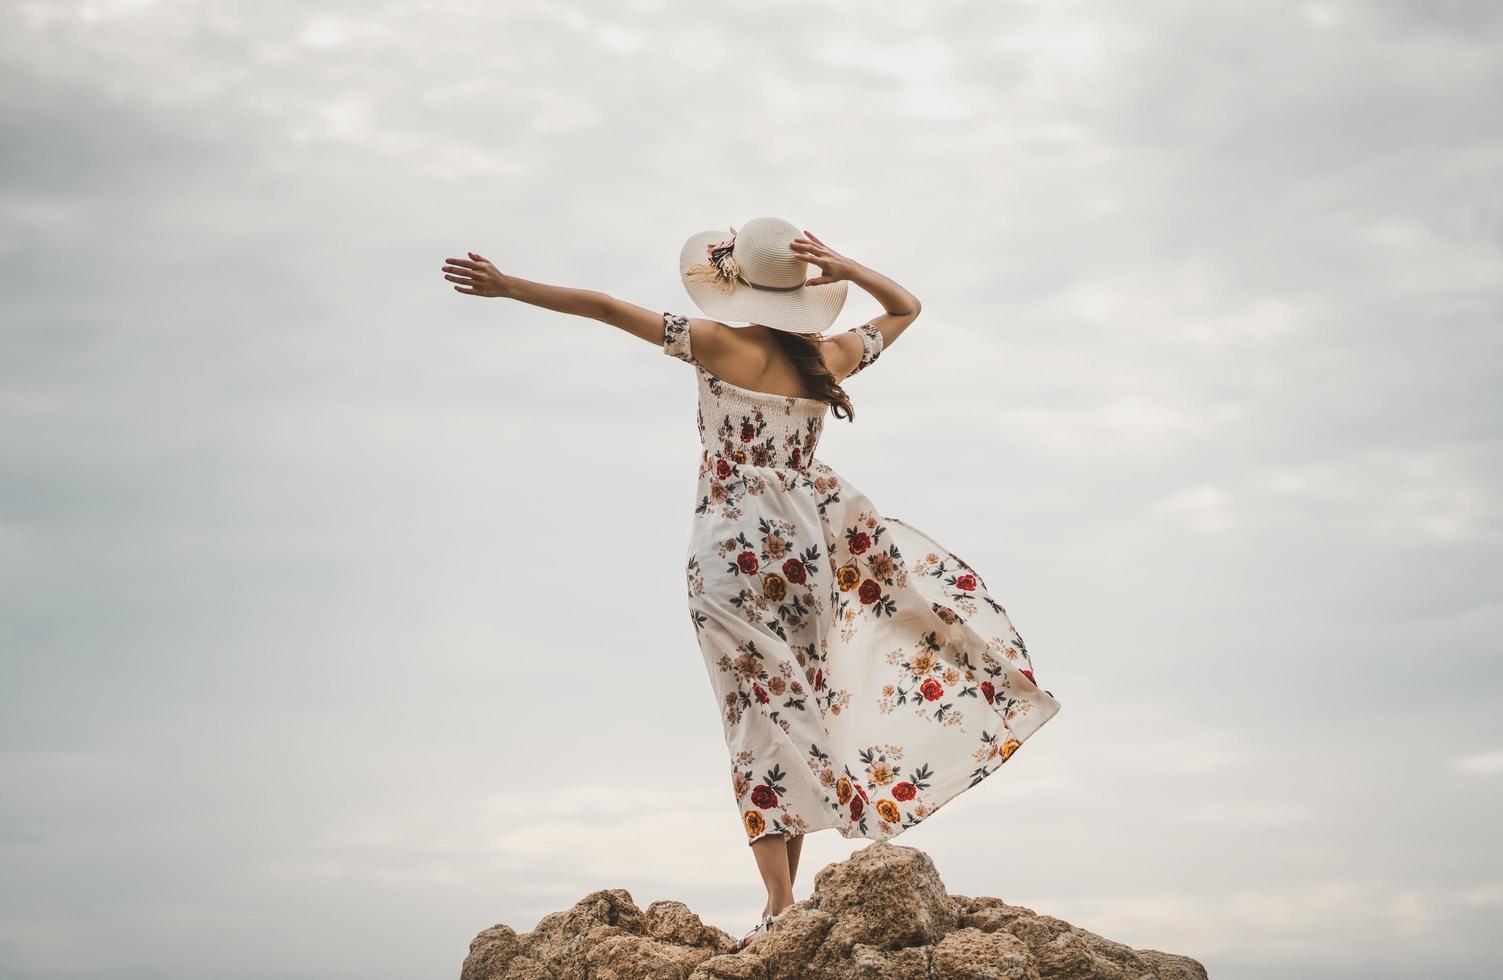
x=755, y=276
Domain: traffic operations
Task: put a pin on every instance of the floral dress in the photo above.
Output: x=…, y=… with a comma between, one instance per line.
x=864, y=674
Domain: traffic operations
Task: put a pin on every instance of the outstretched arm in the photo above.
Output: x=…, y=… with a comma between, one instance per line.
x=478, y=276
x=902, y=306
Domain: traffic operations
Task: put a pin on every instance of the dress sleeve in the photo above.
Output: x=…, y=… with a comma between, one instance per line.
x=676, y=337
x=871, y=346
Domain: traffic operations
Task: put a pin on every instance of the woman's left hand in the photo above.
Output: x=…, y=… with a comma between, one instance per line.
x=833, y=266
x=477, y=276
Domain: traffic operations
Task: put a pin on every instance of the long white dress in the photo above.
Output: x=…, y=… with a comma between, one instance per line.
x=864, y=674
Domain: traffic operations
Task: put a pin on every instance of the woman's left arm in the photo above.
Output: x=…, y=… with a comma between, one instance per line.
x=478, y=276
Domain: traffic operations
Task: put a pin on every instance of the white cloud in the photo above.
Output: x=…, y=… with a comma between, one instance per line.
x=1480, y=764
x=1203, y=508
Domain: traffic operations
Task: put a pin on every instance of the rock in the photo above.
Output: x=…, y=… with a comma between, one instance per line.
x=889, y=897
x=491, y=953
x=972, y=954
x=881, y=913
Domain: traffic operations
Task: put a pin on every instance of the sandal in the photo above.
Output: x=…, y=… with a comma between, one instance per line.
x=756, y=930
x=760, y=929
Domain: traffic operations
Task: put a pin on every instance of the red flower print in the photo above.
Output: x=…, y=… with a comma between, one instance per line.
x=796, y=455
x=748, y=562
x=760, y=692
x=722, y=468
x=904, y=791
x=819, y=679
x=932, y=689
x=764, y=796
x=870, y=591
x=748, y=431
x=857, y=805
x=862, y=790
x=967, y=582
x=793, y=571
x=1026, y=673
x=989, y=690
x=858, y=542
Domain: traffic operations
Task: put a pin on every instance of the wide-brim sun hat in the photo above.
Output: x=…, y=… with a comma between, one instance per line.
x=754, y=275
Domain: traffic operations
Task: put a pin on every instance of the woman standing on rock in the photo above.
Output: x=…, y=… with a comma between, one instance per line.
x=864, y=674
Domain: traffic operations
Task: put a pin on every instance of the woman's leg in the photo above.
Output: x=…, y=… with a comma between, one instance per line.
x=795, y=845
x=771, y=853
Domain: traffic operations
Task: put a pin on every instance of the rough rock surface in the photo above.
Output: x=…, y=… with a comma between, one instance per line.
x=881, y=913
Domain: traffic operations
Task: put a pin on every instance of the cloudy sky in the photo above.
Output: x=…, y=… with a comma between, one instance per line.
x=342, y=613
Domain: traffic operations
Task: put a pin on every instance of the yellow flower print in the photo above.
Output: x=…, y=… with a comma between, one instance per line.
x=1009, y=747
x=843, y=790
x=849, y=576
x=888, y=810
x=880, y=773
x=774, y=586
x=921, y=663
x=740, y=784
x=754, y=822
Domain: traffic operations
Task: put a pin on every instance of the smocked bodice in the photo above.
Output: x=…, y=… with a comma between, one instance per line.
x=754, y=428
x=740, y=427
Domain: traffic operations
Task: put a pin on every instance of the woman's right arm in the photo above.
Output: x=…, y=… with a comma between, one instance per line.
x=902, y=306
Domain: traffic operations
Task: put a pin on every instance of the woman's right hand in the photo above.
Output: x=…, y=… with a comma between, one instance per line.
x=477, y=276
x=833, y=266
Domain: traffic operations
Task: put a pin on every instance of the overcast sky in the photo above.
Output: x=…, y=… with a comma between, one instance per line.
x=342, y=614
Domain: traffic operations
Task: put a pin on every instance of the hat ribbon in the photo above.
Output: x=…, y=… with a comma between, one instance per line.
x=723, y=269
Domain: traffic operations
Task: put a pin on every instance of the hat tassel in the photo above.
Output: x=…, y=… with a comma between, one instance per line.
x=721, y=268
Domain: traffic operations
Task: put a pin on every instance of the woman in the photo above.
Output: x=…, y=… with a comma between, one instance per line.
x=864, y=674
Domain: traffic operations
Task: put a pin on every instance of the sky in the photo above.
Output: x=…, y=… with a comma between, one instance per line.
x=342, y=613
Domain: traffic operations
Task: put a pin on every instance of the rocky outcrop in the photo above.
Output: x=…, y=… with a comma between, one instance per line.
x=881, y=913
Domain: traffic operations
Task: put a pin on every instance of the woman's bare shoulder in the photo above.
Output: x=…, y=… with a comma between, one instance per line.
x=842, y=352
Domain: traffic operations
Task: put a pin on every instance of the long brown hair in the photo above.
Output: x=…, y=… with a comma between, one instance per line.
x=803, y=350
